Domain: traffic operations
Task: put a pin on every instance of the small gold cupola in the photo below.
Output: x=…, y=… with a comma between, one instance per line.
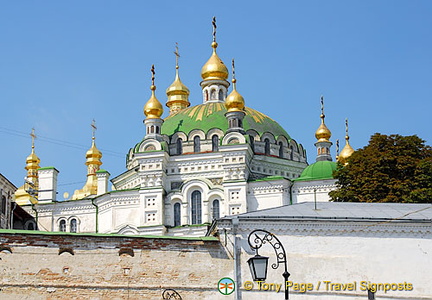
x=177, y=92
x=235, y=106
x=22, y=195
x=153, y=108
x=234, y=101
x=93, y=163
x=214, y=68
x=322, y=134
x=347, y=151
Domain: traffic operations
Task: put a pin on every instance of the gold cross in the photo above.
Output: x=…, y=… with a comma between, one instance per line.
x=346, y=126
x=214, y=29
x=322, y=105
x=93, y=125
x=153, y=74
x=233, y=69
x=177, y=54
x=33, y=136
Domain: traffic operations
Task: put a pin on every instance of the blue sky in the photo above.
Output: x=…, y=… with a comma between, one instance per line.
x=65, y=63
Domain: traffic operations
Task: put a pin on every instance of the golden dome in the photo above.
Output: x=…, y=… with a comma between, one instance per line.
x=214, y=68
x=323, y=134
x=32, y=161
x=346, y=152
x=178, y=95
x=153, y=108
x=234, y=101
x=93, y=155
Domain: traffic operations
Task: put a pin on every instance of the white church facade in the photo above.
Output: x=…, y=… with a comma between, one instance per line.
x=200, y=163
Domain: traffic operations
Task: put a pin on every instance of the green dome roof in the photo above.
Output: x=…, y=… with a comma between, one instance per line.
x=212, y=115
x=318, y=171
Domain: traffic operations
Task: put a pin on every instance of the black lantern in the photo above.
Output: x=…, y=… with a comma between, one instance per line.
x=258, y=264
x=258, y=267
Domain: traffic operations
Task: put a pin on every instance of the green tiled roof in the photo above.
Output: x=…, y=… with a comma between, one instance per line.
x=318, y=171
x=212, y=115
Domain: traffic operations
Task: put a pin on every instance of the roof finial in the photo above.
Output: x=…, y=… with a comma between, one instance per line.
x=33, y=136
x=322, y=107
x=234, y=80
x=337, y=148
x=177, y=54
x=153, y=74
x=214, y=29
x=93, y=125
x=346, y=130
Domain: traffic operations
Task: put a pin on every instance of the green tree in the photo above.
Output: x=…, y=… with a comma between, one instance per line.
x=391, y=168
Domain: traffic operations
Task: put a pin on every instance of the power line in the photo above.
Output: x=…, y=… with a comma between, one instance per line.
x=58, y=142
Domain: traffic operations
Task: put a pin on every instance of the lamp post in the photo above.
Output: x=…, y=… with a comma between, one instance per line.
x=258, y=264
x=170, y=294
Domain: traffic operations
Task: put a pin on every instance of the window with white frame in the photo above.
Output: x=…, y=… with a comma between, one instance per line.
x=196, y=213
x=177, y=214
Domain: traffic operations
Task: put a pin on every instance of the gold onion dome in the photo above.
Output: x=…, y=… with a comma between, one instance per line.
x=347, y=151
x=177, y=92
x=153, y=108
x=32, y=161
x=323, y=134
x=234, y=101
x=214, y=68
x=93, y=155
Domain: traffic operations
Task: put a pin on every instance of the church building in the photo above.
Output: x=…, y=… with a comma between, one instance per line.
x=200, y=163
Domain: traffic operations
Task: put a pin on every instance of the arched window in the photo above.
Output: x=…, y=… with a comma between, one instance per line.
x=179, y=146
x=280, y=149
x=62, y=225
x=196, y=208
x=267, y=147
x=206, y=95
x=215, y=209
x=215, y=143
x=197, y=144
x=3, y=205
x=292, y=153
x=73, y=225
x=213, y=94
x=157, y=129
x=220, y=95
x=30, y=226
x=177, y=214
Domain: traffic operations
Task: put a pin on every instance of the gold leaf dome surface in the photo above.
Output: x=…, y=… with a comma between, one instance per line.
x=346, y=152
x=214, y=68
x=93, y=155
x=234, y=101
x=153, y=108
x=32, y=161
x=323, y=134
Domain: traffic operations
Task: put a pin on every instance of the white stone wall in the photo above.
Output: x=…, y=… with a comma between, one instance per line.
x=323, y=253
x=310, y=191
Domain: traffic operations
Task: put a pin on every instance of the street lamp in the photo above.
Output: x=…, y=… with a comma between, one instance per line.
x=258, y=264
x=170, y=294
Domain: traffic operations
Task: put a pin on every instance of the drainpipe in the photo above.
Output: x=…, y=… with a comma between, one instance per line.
x=237, y=277
x=36, y=216
x=97, y=214
x=12, y=215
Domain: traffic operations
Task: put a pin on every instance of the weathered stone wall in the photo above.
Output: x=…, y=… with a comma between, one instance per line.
x=37, y=265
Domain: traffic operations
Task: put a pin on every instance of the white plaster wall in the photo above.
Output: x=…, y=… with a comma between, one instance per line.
x=348, y=259
x=303, y=191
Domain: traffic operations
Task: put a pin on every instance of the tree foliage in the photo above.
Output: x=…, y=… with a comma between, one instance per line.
x=391, y=168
